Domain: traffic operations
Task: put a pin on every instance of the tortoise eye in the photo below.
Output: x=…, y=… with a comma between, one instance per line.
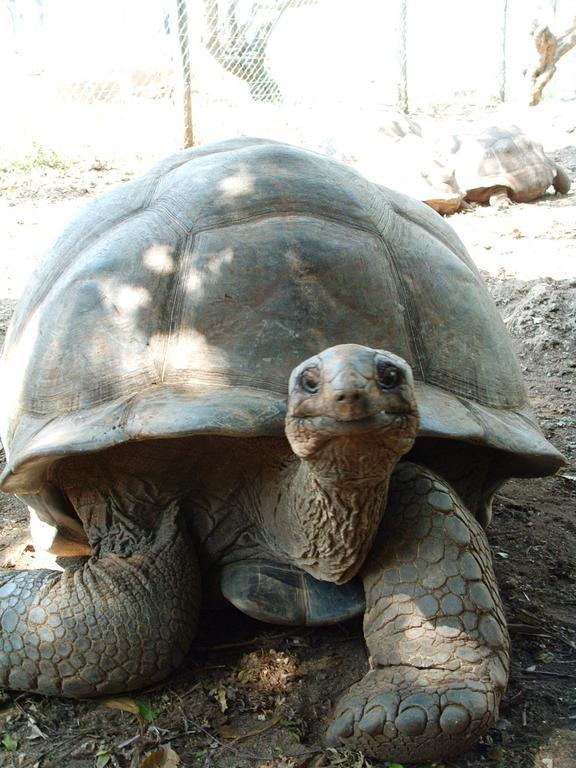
x=310, y=380
x=388, y=375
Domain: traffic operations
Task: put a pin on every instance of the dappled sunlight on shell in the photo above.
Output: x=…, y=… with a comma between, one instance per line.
x=189, y=351
x=197, y=276
x=240, y=184
x=131, y=297
x=159, y=259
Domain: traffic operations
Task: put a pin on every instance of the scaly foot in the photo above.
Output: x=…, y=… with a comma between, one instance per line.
x=414, y=715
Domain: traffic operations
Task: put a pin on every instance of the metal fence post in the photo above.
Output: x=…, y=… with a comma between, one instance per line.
x=402, y=56
x=502, y=72
x=186, y=75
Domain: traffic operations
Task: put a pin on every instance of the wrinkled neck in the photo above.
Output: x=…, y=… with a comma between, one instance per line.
x=335, y=503
x=352, y=463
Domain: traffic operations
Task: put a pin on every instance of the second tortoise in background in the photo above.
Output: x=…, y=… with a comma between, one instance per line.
x=499, y=165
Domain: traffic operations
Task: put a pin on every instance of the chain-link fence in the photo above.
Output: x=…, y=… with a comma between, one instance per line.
x=118, y=77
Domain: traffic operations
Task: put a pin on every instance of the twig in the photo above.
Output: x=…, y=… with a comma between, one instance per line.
x=243, y=643
x=197, y=727
x=563, y=675
x=255, y=732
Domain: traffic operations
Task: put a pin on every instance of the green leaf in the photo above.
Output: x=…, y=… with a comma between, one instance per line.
x=103, y=758
x=395, y=765
x=145, y=711
x=9, y=742
x=200, y=753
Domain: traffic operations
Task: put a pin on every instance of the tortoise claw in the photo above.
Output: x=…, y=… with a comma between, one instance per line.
x=342, y=728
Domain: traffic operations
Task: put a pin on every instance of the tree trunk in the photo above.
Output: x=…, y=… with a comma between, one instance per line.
x=402, y=69
x=550, y=50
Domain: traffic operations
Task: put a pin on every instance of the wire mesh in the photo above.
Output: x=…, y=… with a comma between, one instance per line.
x=119, y=77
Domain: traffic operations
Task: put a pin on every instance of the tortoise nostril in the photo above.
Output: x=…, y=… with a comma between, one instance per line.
x=348, y=397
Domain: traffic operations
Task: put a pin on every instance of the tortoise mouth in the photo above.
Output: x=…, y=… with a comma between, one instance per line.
x=353, y=425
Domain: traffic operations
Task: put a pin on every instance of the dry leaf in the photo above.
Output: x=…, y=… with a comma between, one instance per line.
x=35, y=733
x=220, y=694
x=162, y=758
x=139, y=709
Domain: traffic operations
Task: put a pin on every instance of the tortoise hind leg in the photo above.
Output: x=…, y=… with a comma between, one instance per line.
x=499, y=198
x=434, y=627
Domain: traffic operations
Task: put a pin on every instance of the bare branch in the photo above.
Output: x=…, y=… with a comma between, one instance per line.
x=550, y=49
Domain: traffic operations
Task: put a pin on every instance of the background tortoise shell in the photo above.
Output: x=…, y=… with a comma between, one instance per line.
x=504, y=157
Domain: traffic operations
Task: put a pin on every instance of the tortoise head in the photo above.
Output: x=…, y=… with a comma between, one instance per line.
x=353, y=395
x=351, y=415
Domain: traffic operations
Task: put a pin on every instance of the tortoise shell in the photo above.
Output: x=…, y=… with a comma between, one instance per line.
x=179, y=303
x=504, y=157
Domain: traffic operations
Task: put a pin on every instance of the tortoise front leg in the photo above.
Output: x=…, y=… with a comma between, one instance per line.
x=500, y=198
x=123, y=620
x=435, y=630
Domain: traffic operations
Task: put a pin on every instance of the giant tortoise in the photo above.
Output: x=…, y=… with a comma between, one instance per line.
x=499, y=165
x=255, y=365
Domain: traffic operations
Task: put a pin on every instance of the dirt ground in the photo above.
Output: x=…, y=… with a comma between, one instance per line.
x=259, y=696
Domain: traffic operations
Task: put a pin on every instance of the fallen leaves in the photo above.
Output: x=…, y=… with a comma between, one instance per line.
x=161, y=758
x=267, y=671
x=219, y=694
x=9, y=742
x=140, y=709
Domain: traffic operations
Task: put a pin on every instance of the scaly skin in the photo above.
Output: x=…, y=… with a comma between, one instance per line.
x=435, y=630
x=349, y=430
x=123, y=620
